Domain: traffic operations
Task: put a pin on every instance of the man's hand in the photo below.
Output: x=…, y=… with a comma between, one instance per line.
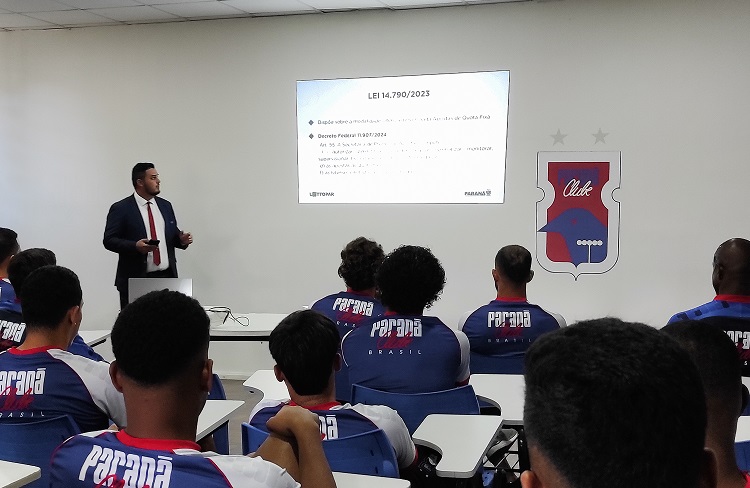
x=294, y=423
x=186, y=238
x=143, y=247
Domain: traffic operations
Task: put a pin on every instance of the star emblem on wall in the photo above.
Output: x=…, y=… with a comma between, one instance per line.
x=558, y=137
x=599, y=136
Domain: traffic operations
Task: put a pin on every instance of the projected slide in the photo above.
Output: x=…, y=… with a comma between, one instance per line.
x=403, y=139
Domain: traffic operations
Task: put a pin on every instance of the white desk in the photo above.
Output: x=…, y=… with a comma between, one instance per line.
x=264, y=381
x=348, y=480
x=743, y=430
x=215, y=413
x=94, y=337
x=13, y=475
x=247, y=327
x=505, y=391
x=462, y=440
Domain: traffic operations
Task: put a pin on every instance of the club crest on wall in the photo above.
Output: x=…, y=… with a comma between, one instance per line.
x=578, y=220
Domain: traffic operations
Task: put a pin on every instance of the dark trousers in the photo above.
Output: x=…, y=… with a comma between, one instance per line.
x=123, y=289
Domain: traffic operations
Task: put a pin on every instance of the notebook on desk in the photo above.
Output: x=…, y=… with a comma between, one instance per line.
x=137, y=287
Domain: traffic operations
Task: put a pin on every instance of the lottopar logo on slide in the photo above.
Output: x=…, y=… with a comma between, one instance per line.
x=578, y=220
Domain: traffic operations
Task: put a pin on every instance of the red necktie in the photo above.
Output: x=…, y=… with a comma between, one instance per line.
x=152, y=228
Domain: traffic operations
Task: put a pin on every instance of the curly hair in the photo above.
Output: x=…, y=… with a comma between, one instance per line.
x=360, y=260
x=410, y=279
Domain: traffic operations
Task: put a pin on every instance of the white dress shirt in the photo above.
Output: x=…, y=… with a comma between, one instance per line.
x=159, y=224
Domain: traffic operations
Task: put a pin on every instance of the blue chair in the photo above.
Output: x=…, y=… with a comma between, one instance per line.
x=33, y=440
x=368, y=453
x=742, y=453
x=221, y=435
x=414, y=407
x=479, y=363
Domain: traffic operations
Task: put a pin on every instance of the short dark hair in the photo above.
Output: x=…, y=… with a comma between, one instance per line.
x=159, y=336
x=360, y=260
x=139, y=171
x=713, y=353
x=47, y=295
x=27, y=261
x=304, y=346
x=8, y=243
x=410, y=279
x=615, y=403
x=514, y=262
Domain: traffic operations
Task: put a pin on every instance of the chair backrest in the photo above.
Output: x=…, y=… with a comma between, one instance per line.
x=367, y=453
x=479, y=363
x=742, y=453
x=32, y=441
x=221, y=435
x=414, y=407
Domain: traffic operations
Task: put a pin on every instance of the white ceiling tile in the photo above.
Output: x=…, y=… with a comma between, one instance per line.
x=421, y=3
x=344, y=4
x=134, y=14
x=71, y=18
x=270, y=6
x=156, y=3
x=86, y=4
x=21, y=21
x=201, y=9
x=25, y=6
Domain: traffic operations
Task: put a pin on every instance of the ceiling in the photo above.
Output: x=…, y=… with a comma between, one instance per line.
x=65, y=14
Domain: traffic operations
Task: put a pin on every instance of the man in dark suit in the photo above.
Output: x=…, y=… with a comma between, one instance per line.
x=142, y=229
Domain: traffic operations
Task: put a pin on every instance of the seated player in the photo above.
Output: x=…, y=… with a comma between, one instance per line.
x=360, y=259
x=13, y=326
x=731, y=281
x=717, y=361
x=165, y=390
x=500, y=332
x=617, y=405
x=305, y=348
x=8, y=248
x=405, y=351
x=40, y=378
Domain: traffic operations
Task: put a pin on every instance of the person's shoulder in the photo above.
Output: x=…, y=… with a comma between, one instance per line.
x=251, y=472
x=696, y=312
x=128, y=200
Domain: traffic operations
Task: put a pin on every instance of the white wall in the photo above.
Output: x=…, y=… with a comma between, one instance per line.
x=213, y=104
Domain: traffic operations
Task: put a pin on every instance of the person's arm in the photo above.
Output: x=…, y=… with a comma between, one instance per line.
x=114, y=230
x=462, y=378
x=300, y=429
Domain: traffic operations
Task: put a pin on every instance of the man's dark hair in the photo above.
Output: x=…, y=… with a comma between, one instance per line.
x=27, y=261
x=714, y=354
x=8, y=243
x=304, y=346
x=360, y=260
x=514, y=262
x=410, y=279
x=615, y=404
x=159, y=336
x=139, y=171
x=47, y=295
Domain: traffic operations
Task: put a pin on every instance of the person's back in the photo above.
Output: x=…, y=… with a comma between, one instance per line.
x=304, y=346
x=500, y=332
x=165, y=390
x=616, y=405
x=731, y=282
x=40, y=378
x=406, y=351
x=718, y=364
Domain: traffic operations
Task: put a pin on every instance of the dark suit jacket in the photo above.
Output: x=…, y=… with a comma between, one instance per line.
x=125, y=227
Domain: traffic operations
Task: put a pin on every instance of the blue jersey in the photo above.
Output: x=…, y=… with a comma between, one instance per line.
x=348, y=309
x=502, y=330
x=337, y=421
x=406, y=354
x=8, y=300
x=118, y=460
x=721, y=306
x=12, y=329
x=46, y=382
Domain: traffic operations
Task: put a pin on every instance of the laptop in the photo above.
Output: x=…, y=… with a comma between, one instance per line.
x=137, y=287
